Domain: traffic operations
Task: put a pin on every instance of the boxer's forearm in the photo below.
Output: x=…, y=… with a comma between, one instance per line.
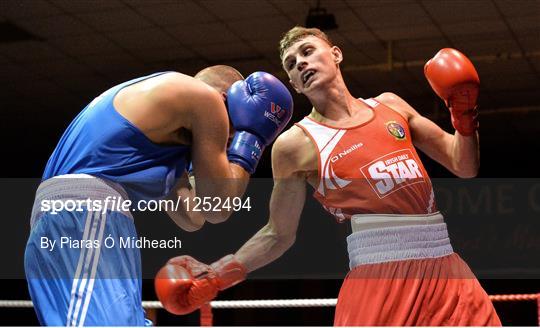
x=466, y=155
x=286, y=204
x=263, y=248
x=240, y=180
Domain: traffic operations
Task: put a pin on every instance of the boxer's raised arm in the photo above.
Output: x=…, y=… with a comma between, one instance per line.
x=455, y=80
x=210, y=130
x=459, y=154
x=259, y=108
x=206, y=117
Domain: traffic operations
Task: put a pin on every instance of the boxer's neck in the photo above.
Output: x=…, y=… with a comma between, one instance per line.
x=334, y=101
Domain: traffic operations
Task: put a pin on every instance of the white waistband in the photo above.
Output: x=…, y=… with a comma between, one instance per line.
x=360, y=222
x=76, y=187
x=399, y=242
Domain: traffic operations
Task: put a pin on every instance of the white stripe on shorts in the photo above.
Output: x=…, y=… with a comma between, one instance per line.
x=94, y=269
x=73, y=297
x=83, y=287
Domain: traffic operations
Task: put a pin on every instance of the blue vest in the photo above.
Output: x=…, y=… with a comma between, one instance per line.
x=102, y=143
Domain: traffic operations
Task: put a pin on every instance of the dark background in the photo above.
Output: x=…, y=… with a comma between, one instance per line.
x=56, y=55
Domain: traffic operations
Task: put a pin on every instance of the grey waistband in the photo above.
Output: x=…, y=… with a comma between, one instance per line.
x=360, y=222
x=78, y=187
x=400, y=242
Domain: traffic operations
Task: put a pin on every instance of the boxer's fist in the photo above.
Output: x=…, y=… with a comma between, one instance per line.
x=185, y=284
x=259, y=107
x=454, y=79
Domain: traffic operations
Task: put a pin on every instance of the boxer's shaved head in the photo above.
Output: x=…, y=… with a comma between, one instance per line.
x=220, y=77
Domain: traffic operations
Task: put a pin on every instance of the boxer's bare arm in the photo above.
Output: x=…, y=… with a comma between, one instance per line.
x=457, y=153
x=214, y=175
x=289, y=165
x=162, y=106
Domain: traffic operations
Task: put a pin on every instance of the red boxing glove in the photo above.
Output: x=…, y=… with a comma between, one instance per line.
x=454, y=78
x=185, y=284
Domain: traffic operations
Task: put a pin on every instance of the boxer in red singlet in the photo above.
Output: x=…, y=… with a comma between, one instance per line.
x=359, y=156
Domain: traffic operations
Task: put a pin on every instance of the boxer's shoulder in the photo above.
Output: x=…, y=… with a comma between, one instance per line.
x=162, y=105
x=292, y=141
x=169, y=90
x=178, y=89
x=396, y=103
x=389, y=97
x=293, y=152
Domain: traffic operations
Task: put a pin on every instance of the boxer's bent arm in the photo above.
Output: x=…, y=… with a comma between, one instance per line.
x=459, y=154
x=215, y=176
x=286, y=204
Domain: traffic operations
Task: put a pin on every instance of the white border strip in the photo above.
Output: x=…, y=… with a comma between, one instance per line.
x=314, y=302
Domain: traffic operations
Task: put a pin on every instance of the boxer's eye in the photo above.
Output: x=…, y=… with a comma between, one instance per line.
x=290, y=65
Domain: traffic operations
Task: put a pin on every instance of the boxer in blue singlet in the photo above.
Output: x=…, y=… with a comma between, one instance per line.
x=130, y=143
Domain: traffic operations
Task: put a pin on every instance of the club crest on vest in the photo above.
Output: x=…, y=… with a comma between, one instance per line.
x=396, y=130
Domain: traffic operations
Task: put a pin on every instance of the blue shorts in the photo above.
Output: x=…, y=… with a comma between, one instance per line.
x=77, y=280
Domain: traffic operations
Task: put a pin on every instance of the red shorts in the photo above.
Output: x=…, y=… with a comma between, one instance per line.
x=427, y=292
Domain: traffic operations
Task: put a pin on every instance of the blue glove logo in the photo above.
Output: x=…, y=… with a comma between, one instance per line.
x=277, y=110
x=276, y=114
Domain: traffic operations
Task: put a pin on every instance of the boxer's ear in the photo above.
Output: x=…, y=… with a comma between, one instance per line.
x=337, y=55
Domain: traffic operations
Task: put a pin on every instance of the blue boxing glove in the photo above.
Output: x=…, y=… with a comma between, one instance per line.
x=259, y=107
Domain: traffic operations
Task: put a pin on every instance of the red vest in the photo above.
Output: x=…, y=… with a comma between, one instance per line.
x=370, y=168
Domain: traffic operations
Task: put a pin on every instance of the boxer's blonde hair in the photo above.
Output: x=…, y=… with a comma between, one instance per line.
x=219, y=77
x=298, y=33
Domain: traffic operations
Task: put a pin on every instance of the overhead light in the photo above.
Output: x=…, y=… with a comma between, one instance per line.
x=319, y=18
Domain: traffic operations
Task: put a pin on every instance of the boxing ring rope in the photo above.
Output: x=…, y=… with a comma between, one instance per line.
x=207, y=316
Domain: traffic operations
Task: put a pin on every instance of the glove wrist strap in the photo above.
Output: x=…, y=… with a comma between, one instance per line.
x=466, y=123
x=229, y=271
x=245, y=150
